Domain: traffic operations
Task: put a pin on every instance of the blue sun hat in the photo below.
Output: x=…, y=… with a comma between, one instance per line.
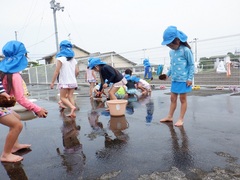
x=65, y=49
x=15, y=57
x=146, y=63
x=92, y=62
x=171, y=33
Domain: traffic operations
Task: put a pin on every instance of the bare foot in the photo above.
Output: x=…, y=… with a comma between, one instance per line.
x=166, y=119
x=20, y=146
x=179, y=123
x=10, y=158
x=61, y=105
x=72, y=113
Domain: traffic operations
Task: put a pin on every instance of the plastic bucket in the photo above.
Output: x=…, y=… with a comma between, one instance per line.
x=118, y=123
x=117, y=107
x=27, y=115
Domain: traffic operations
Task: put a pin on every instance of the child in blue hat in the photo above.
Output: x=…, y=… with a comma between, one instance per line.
x=12, y=120
x=15, y=60
x=66, y=71
x=108, y=75
x=181, y=71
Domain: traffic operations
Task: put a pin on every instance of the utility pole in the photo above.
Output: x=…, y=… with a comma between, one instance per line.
x=56, y=7
x=195, y=40
x=15, y=35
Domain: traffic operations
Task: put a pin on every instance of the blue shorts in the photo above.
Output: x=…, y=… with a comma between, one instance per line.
x=180, y=87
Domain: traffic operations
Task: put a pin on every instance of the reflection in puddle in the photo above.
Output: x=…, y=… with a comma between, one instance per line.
x=97, y=127
x=15, y=171
x=113, y=146
x=73, y=158
x=181, y=155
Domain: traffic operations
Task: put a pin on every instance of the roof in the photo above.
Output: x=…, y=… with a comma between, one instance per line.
x=74, y=46
x=118, y=55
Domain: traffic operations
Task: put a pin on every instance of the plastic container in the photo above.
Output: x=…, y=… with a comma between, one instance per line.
x=118, y=123
x=117, y=107
x=23, y=112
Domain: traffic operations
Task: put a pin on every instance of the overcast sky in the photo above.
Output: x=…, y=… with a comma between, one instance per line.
x=114, y=25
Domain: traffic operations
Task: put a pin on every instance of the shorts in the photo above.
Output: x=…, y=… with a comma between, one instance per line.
x=120, y=83
x=180, y=87
x=4, y=111
x=67, y=86
x=92, y=80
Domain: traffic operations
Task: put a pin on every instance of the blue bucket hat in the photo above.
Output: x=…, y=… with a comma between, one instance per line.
x=92, y=62
x=171, y=33
x=65, y=49
x=15, y=57
x=146, y=63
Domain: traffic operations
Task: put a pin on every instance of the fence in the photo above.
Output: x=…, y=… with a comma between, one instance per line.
x=206, y=54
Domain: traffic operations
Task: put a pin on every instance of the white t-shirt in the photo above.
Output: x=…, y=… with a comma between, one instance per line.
x=67, y=71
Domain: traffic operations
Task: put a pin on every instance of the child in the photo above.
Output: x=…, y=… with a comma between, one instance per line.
x=181, y=71
x=131, y=83
x=121, y=93
x=15, y=60
x=108, y=75
x=145, y=87
x=67, y=70
x=90, y=77
x=96, y=92
x=147, y=70
x=12, y=120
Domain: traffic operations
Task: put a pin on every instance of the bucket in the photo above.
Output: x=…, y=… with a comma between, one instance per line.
x=27, y=115
x=117, y=107
x=23, y=112
x=118, y=123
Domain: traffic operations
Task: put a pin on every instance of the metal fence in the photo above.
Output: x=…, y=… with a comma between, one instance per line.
x=208, y=49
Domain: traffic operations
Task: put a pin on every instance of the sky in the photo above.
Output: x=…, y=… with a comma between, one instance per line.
x=115, y=25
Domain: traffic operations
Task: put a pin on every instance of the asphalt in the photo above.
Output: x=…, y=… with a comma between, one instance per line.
x=134, y=146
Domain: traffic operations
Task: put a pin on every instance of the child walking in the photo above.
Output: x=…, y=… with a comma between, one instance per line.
x=12, y=120
x=67, y=70
x=108, y=75
x=181, y=71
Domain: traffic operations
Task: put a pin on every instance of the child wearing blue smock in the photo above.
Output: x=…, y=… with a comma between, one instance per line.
x=181, y=71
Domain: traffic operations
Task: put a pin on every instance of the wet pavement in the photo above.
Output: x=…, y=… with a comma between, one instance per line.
x=134, y=146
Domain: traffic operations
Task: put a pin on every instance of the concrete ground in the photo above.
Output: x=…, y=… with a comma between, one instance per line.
x=134, y=146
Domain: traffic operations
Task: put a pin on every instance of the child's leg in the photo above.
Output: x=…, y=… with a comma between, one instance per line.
x=112, y=92
x=69, y=100
x=61, y=105
x=15, y=127
x=183, y=100
x=17, y=146
x=91, y=88
x=173, y=106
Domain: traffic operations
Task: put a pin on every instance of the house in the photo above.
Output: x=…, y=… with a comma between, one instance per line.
x=82, y=56
x=43, y=74
x=50, y=59
x=111, y=58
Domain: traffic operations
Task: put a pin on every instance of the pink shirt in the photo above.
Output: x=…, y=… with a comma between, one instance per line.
x=18, y=92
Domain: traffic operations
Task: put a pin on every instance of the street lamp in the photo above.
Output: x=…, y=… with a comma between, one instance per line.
x=56, y=7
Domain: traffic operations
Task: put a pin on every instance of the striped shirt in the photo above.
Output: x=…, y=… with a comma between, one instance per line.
x=2, y=90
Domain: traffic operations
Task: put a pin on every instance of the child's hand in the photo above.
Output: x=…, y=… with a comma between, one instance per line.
x=105, y=85
x=189, y=83
x=163, y=77
x=6, y=95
